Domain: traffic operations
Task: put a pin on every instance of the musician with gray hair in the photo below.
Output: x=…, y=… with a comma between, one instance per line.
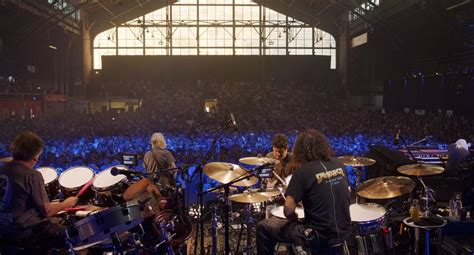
x=458, y=157
x=159, y=158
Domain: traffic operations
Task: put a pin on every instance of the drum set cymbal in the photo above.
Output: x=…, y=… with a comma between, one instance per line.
x=258, y=161
x=356, y=161
x=386, y=187
x=249, y=198
x=227, y=172
x=268, y=192
x=420, y=170
x=6, y=160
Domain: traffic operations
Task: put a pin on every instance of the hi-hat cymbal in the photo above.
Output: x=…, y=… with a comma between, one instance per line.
x=6, y=160
x=386, y=187
x=249, y=198
x=420, y=169
x=356, y=161
x=258, y=161
x=227, y=172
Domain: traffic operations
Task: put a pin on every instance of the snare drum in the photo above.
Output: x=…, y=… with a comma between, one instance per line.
x=368, y=218
x=50, y=177
x=278, y=212
x=109, y=188
x=72, y=180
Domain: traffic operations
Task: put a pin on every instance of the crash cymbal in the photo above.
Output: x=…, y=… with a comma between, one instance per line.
x=420, y=169
x=356, y=161
x=6, y=160
x=268, y=192
x=258, y=161
x=386, y=187
x=227, y=172
x=249, y=198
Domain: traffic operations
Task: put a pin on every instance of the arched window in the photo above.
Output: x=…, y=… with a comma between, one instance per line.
x=214, y=27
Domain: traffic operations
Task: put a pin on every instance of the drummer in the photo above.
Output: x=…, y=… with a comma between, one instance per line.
x=25, y=209
x=320, y=182
x=281, y=153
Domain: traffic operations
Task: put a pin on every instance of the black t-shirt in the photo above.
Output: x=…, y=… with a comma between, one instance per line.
x=326, y=198
x=22, y=199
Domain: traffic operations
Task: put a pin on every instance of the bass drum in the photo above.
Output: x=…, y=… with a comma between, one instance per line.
x=179, y=225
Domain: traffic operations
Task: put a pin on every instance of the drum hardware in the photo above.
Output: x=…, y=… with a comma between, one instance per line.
x=250, y=223
x=214, y=228
x=178, y=229
x=427, y=197
x=166, y=229
x=199, y=169
x=241, y=178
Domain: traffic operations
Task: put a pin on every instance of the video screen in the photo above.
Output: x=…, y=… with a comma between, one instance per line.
x=129, y=159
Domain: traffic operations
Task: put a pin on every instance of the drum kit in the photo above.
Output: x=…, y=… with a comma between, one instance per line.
x=103, y=220
x=371, y=220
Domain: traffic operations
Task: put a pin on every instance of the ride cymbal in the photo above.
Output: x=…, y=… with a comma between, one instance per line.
x=356, y=161
x=258, y=161
x=420, y=169
x=227, y=172
x=386, y=187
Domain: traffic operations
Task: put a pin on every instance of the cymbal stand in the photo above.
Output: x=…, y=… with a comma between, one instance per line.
x=199, y=169
x=226, y=186
x=428, y=192
x=250, y=221
x=428, y=196
x=214, y=228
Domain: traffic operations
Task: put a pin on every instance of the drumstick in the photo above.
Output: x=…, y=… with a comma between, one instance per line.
x=84, y=188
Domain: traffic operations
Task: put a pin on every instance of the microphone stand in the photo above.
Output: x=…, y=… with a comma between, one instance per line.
x=199, y=168
x=226, y=187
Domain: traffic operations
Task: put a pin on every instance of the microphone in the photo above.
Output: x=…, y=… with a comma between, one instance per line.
x=115, y=171
x=397, y=137
x=232, y=119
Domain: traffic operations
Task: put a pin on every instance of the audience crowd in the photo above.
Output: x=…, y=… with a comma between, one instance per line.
x=261, y=110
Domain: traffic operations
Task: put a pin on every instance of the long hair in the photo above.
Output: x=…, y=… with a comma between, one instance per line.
x=158, y=141
x=311, y=145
